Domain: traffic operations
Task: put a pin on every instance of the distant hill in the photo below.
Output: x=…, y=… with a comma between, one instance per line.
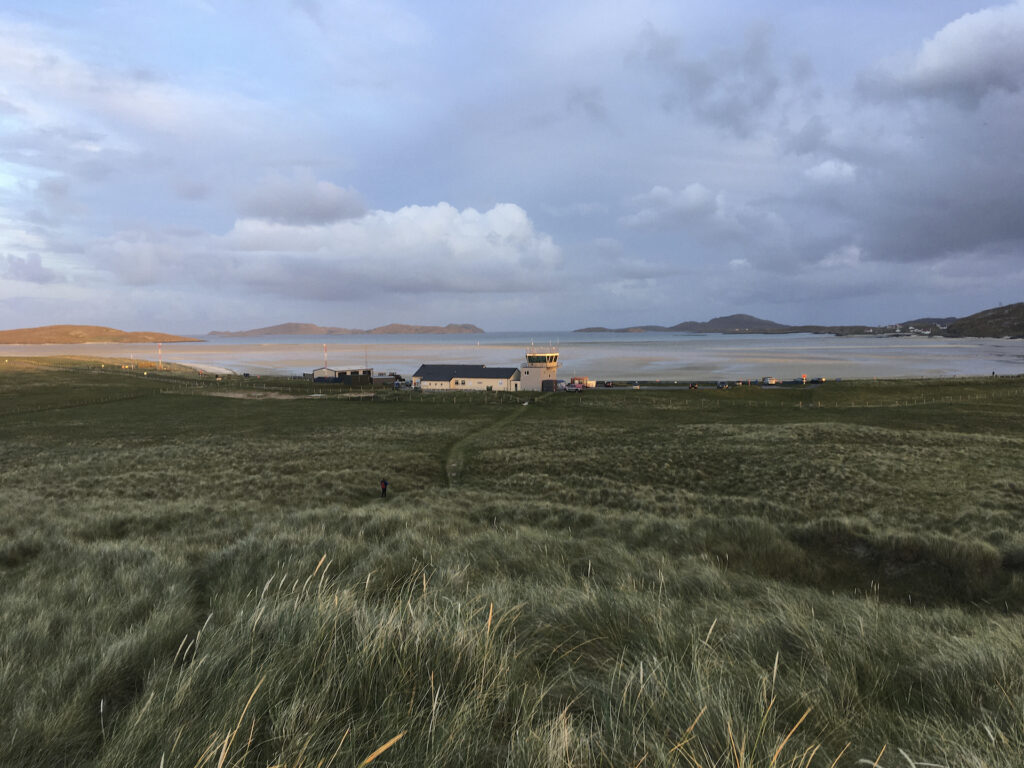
x=84, y=334
x=308, y=329
x=991, y=323
x=284, y=329
x=450, y=328
x=925, y=322
x=727, y=324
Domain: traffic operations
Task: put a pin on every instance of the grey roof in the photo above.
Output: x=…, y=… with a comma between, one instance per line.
x=449, y=372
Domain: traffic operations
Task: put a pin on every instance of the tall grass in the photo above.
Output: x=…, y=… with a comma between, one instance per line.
x=207, y=582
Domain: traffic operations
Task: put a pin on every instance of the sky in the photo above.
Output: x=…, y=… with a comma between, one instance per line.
x=204, y=165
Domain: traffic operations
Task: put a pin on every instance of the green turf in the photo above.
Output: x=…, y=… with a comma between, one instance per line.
x=789, y=577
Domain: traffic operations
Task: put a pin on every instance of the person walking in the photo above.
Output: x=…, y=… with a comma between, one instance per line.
x=383, y=488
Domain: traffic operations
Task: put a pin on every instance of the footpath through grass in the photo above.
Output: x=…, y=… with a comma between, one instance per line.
x=615, y=578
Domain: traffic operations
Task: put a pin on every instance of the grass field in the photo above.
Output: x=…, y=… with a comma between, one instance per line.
x=202, y=573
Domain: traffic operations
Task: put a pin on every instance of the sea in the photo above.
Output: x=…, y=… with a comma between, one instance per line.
x=642, y=356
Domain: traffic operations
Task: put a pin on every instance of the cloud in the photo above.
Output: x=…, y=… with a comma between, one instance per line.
x=606, y=261
x=415, y=250
x=697, y=206
x=832, y=172
x=301, y=199
x=139, y=259
x=846, y=256
x=587, y=101
x=812, y=135
x=732, y=89
x=975, y=55
x=763, y=168
x=29, y=269
x=663, y=206
x=49, y=82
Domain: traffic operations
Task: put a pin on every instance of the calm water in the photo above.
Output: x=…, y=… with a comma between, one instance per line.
x=665, y=356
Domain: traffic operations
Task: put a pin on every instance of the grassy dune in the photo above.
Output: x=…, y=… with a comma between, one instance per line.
x=740, y=578
x=82, y=334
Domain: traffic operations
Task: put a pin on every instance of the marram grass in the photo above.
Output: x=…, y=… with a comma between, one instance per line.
x=613, y=579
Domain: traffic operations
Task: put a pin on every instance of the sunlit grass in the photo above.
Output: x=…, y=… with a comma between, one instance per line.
x=611, y=579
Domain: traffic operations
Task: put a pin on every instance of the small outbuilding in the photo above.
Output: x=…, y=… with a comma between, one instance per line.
x=358, y=377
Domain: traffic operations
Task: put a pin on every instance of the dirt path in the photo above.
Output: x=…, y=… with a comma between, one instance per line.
x=456, y=454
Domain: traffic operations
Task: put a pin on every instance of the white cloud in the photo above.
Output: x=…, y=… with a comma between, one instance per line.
x=832, y=172
x=414, y=250
x=47, y=84
x=975, y=55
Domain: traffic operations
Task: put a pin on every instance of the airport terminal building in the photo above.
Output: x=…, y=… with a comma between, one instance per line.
x=478, y=377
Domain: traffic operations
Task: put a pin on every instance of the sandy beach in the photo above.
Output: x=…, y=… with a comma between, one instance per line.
x=615, y=356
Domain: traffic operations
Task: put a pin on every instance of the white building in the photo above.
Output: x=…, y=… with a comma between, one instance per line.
x=540, y=374
x=480, y=377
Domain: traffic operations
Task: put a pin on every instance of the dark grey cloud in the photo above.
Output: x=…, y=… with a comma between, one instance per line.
x=811, y=136
x=301, y=199
x=29, y=269
x=946, y=181
x=732, y=89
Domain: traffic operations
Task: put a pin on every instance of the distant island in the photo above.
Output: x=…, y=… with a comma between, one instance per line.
x=85, y=334
x=733, y=324
x=308, y=329
x=999, y=322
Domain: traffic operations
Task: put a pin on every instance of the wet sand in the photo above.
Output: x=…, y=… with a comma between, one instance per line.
x=647, y=356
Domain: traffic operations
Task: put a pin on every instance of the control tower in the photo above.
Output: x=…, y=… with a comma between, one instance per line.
x=540, y=374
